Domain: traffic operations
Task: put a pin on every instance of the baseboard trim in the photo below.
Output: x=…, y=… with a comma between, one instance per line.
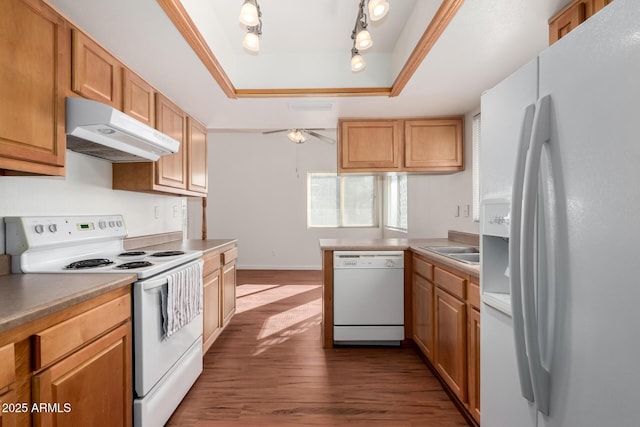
x=279, y=267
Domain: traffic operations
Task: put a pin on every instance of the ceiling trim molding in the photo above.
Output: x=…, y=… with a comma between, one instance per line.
x=180, y=18
x=289, y=93
x=436, y=27
x=183, y=22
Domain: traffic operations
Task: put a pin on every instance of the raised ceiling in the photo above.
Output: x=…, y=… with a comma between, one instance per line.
x=306, y=45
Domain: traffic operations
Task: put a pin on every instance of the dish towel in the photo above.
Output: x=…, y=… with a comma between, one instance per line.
x=183, y=300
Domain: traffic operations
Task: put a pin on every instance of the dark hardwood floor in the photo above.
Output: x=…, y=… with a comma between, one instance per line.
x=268, y=368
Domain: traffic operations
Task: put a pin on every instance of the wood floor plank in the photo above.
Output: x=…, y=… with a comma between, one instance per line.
x=268, y=368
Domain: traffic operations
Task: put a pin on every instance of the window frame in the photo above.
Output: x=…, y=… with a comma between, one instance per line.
x=387, y=204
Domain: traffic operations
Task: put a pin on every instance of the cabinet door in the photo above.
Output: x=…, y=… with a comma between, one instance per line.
x=473, y=363
x=450, y=342
x=34, y=64
x=423, y=315
x=8, y=416
x=228, y=292
x=433, y=145
x=91, y=387
x=211, y=310
x=197, y=137
x=171, y=120
x=95, y=74
x=568, y=19
x=369, y=145
x=138, y=98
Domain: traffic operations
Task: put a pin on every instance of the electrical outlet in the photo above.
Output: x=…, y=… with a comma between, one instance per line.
x=456, y=211
x=176, y=210
x=466, y=211
x=156, y=212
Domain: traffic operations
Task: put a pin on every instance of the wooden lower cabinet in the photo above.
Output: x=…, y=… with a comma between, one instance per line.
x=450, y=342
x=91, y=387
x=473, y=361
x=8, y=400
x=228, y=292
x=211, y=310
x=423, y=315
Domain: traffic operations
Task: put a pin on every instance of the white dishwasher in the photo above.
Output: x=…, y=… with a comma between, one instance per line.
x=368, y=297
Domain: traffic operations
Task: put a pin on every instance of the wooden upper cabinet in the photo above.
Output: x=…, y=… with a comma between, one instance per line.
x=369, y=145
x=95, y=73
x=34, y=59
x=574, y=14
x=434, y=145
x=138, y=98
x=412, y=145
x=172, y=121
x=198, y=178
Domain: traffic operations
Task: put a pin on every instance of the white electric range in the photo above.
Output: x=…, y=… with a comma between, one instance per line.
x=165, y=367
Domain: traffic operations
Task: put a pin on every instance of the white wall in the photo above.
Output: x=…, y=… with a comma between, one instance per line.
x=86, y=189
x=258, y=194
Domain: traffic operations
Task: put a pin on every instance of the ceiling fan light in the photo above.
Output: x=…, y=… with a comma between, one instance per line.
x=251, y=42
x=378, y=9
x=357, y=63
x=249, y=14
x=295, y=135
x=363, y=40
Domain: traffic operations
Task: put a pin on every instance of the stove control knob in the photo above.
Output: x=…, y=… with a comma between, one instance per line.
x=53, y=228
x=112, y=224
x=39, y=228
x=102, y=225
x=119, y=223
x=389, y=263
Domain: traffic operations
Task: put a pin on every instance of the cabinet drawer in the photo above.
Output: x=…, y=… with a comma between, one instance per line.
x=423, y=268
x=7, y=366
x=211, y=262
x=230, y=255
x=59, y=340
x=451, y=283
x=473, y=294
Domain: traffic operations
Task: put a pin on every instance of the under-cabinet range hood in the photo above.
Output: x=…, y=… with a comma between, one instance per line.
x=102, y=131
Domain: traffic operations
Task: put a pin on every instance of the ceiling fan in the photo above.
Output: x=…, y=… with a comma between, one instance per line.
x=299, y=136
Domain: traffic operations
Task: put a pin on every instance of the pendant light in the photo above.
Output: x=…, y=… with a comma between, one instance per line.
x=251, y=40
x=249, y=13
x=357, y=61
x=378, y=9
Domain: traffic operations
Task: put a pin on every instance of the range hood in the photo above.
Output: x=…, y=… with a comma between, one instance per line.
x=101, y=131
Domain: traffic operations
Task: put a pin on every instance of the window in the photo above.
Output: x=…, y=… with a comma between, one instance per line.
x=476, y=167
x=341, y=201
x=396, y=202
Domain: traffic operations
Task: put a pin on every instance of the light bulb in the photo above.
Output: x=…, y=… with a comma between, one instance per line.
x=363, y=40
x=295, y=135
x=357, y=63
x=378, y=9
x=249, y=14
x=251, y=42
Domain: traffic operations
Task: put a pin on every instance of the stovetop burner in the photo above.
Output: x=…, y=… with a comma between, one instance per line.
x=134, y=264
x=132, y=253
x=88, y=263
x=167, y=253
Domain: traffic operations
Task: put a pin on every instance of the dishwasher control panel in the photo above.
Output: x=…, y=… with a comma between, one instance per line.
x=368, y=259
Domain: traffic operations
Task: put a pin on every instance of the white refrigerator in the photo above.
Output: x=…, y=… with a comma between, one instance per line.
x=560, y=232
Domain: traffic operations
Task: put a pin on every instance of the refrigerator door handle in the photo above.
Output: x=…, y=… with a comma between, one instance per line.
x=540, y=376
x=514, y=254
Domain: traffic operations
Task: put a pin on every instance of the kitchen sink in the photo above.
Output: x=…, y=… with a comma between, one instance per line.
x=467, y=254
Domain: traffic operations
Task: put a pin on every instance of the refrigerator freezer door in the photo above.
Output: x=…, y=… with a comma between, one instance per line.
x=592, y=76
x=500, y=397
x=502, y=109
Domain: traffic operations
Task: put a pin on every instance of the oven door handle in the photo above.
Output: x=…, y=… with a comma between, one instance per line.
x=154, y=284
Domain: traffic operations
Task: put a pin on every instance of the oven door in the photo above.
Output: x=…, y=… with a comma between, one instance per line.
x=154, y=354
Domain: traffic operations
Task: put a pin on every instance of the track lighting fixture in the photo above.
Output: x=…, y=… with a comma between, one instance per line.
x=360, y=35
x=250, y=15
